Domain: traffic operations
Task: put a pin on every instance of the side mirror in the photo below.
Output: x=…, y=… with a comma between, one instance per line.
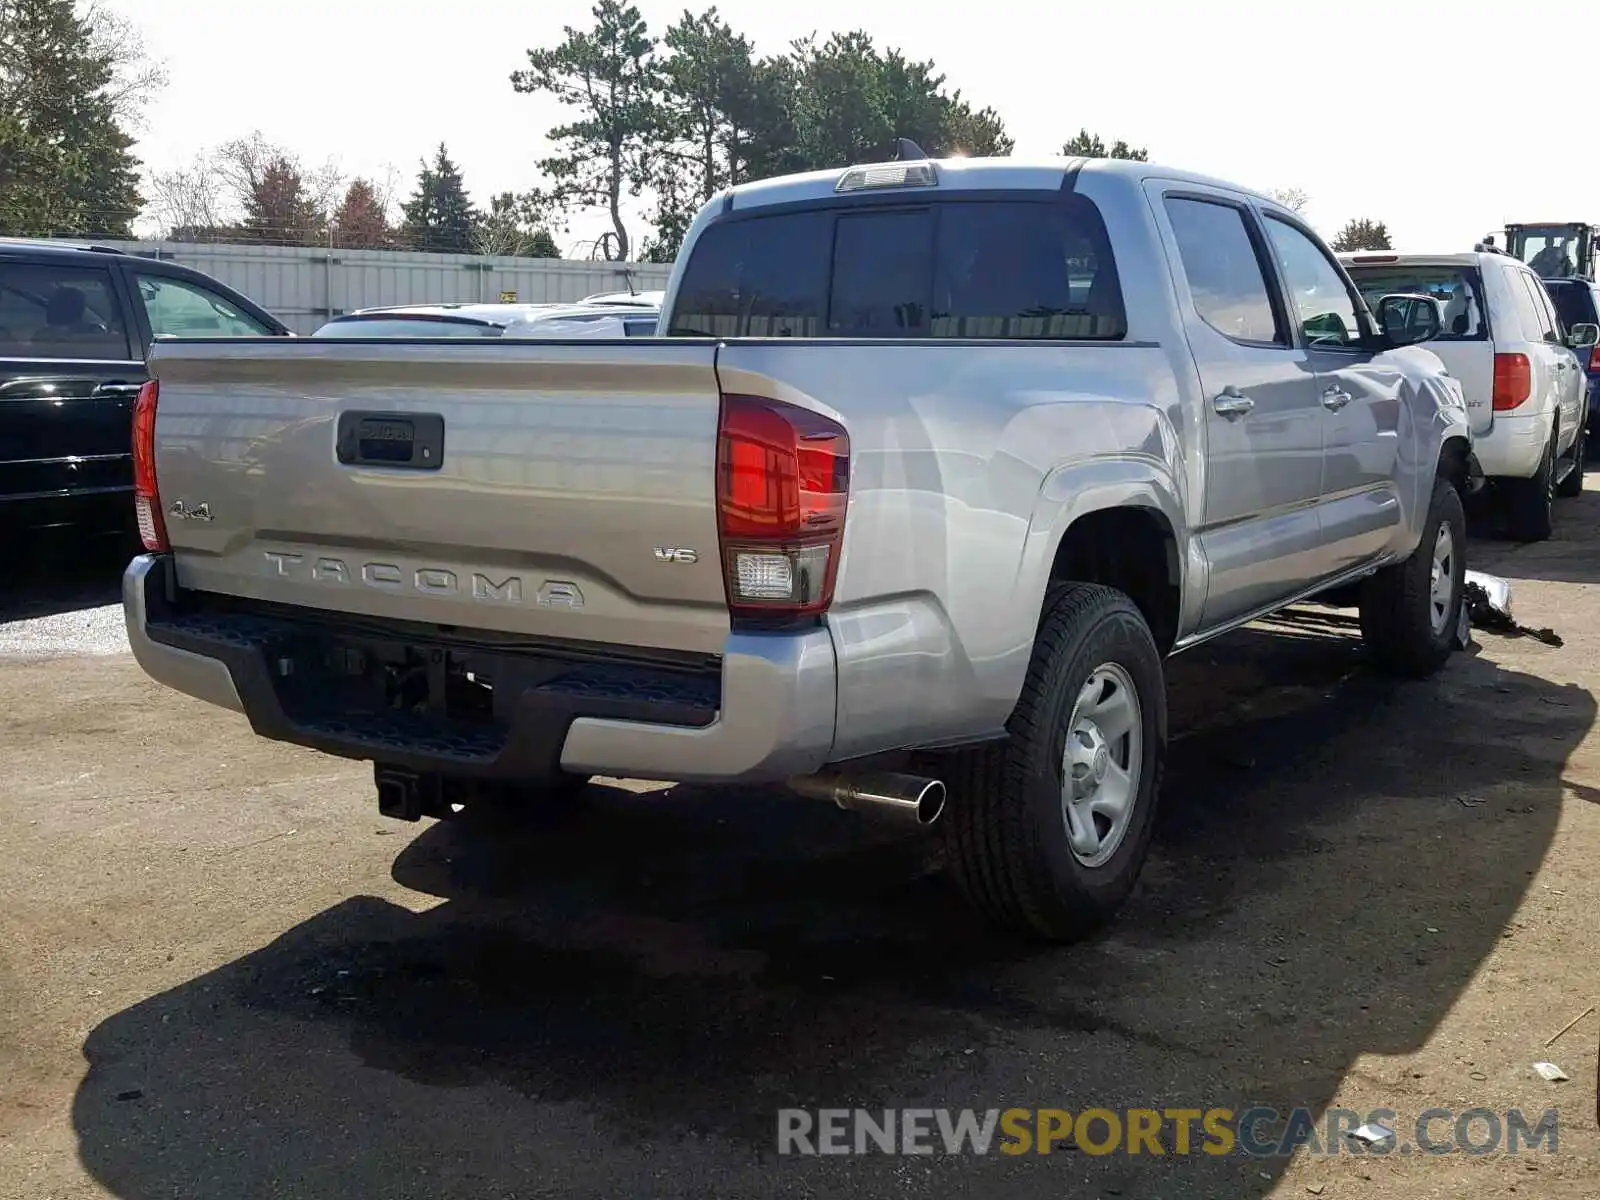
x=1583, y=337
x=1409, y=320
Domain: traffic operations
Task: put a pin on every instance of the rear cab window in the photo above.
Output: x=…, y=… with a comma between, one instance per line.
x=1457, y=289
x=61, y=312
x=1023, y=269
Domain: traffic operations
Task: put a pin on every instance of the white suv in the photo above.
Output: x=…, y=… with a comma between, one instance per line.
x=1524, y=384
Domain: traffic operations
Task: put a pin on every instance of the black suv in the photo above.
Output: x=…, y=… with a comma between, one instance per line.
x=1577, y=302
x=75, y=325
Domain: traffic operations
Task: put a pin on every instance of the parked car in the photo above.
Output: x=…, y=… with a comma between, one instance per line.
x=588, y=318
x=75, y=325
x=627, y=299
x=1577, y=303
x=1504, y=341
x=936, y=463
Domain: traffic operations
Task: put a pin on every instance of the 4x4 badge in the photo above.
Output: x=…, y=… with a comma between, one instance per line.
x=200, y=512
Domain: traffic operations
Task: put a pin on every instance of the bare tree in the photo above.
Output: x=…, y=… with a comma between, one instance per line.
x=1294, y=199
x=271, y=185
x=135, y=74
x=189, y=199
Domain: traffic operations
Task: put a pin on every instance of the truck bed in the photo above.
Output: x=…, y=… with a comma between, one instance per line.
x=567, y=482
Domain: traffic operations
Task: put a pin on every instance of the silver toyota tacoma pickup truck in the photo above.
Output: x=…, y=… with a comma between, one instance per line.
x=931, y=466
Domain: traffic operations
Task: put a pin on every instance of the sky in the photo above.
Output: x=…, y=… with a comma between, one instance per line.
x=1418, y=113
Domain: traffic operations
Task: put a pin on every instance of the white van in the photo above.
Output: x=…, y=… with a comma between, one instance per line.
x=1523, y=381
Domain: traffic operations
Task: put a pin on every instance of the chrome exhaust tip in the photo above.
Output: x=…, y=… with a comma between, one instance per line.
x=912, y=800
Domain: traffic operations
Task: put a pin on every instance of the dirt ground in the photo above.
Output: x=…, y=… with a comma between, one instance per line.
x=224, y=975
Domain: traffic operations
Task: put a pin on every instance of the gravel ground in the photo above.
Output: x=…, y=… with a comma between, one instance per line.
x=226, y=977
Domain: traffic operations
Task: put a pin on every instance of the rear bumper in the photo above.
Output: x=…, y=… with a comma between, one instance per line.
x=766, y=714
x=1513, y=448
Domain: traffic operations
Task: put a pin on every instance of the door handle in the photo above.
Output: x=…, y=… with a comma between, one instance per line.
x=118, y=391
x=1232, y=403
x=1335, y=398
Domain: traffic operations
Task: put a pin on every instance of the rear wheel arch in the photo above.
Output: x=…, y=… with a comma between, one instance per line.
x=1133, y=548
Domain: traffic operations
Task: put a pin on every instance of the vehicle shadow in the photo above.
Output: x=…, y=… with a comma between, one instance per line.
x=62, y=574
x=1554, y=560
x=622, y=1005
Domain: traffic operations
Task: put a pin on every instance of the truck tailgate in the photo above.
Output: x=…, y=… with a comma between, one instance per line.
x=571, y=495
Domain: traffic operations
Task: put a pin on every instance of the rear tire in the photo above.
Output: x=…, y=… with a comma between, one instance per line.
x=1047, y=831
x=1531, y=501
x=1410, y=612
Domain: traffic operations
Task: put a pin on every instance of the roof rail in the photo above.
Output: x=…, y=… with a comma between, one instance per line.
x=42, y=243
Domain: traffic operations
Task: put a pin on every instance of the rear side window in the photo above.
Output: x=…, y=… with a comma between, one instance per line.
x=1538, y=320
x=1458, y=290
x=961, y=269
x=1223, y=270
x=49, y=311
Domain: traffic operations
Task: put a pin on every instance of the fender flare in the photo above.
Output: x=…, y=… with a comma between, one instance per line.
x=1075, y=490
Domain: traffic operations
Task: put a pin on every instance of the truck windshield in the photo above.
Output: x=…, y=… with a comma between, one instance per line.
x=1551, y=250
x=1457, y=289
x=985, y=269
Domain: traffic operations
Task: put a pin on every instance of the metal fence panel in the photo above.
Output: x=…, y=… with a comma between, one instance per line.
x=304, y=285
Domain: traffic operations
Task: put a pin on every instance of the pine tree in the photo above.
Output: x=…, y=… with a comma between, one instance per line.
x=440, y=217
x=610, y=78
x=360, y=221
x=1089, y=145
x=66, y=165
x=1362, y=233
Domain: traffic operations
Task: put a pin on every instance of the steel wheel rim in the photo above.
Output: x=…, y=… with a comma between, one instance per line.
x=1442, y=581
x=1101, y=764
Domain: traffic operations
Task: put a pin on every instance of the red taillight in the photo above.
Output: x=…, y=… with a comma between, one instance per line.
x=146, y=498
x=1594, y=360
x=1513, y=381
x=783, y=479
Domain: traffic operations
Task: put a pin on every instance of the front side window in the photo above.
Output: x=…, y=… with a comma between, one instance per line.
x=1323, y=304
x=48, y=311
x=1224, y=275
x=959, y=269
x=178, y=308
